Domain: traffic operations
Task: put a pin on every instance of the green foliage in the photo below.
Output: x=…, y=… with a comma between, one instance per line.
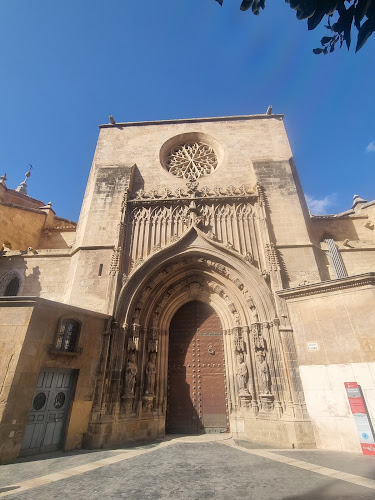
x=342, y=17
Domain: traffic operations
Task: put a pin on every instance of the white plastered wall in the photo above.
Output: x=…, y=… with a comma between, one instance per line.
x=328, y=405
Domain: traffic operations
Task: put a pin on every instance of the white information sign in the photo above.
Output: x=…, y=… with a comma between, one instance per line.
x=313, y=346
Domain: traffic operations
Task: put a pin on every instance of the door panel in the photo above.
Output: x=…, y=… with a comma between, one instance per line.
x=212, y=366
x=196, y=372
x=46, y=423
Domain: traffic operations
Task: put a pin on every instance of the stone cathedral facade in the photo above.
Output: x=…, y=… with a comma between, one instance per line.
x=196, y=294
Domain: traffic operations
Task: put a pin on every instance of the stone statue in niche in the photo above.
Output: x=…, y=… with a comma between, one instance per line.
x=137, y=313
x=130, y=374
x=263, y=373
x=242, y=374
x=151, y=374
x=253, y=314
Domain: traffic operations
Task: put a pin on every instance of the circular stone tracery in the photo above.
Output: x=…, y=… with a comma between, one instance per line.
x=191, y=160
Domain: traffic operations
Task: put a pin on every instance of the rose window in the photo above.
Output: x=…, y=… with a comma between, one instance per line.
x=191, y=161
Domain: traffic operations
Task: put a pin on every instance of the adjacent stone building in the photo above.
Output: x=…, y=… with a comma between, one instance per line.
x=196, y=294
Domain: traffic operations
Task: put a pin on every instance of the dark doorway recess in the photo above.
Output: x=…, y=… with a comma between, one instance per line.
x=196, y=372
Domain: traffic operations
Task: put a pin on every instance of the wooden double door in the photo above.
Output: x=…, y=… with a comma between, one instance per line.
x=196, y=372
x=47, y=418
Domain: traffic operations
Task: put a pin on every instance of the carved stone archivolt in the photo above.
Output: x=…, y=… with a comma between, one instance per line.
x=201, y=286
x=195, y=285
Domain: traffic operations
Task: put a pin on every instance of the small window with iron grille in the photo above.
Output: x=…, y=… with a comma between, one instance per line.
x=68, y=335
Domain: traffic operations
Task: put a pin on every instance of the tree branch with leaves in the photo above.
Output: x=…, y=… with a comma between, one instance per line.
x=342, y=17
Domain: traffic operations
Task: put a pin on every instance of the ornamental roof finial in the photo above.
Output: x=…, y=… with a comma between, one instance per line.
x=22, y=188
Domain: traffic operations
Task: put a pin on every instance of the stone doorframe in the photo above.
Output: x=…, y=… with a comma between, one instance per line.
x=261, y=368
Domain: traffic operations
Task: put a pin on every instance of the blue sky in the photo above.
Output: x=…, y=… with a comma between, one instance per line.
x=67, y=65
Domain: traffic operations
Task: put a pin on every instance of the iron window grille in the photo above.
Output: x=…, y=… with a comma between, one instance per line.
x=68, y=334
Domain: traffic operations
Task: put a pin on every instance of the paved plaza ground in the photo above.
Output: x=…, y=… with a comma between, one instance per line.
x=201, y=467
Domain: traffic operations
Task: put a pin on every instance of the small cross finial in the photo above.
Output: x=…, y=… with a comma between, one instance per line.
x=3, y=178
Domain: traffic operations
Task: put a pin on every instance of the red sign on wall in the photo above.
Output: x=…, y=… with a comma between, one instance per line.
x=358, y=407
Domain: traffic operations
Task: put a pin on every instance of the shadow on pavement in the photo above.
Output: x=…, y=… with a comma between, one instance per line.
x=337, y=490
x=253, y=445
x=54, y=454
x=8, y=488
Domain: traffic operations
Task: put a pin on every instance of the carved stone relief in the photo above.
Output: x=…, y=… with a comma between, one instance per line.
x=226, y=215
x=272, y=257
x=115, y=261
x=204, y=192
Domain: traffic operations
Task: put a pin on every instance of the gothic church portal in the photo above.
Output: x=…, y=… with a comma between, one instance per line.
x=186, y=298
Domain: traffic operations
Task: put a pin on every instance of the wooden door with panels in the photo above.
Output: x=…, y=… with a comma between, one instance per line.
x=47, y=418
x=196, y=372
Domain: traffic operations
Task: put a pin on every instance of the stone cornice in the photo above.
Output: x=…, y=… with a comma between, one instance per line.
x=33, y=301
x=294, y=245
x=92, y=247
x=52, y=252
x=348, y=215
x=44, y=252
x=58, y=229
x=193, y=120
x=26, y=209
x=359, y=280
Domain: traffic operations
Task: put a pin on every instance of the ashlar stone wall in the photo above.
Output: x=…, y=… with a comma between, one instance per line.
x=45, y=272
x=21, y=228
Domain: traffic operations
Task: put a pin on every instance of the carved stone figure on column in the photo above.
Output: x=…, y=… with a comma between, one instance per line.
x=264, y=381
x=242, y=375
x=151, y=374
x=130, y=375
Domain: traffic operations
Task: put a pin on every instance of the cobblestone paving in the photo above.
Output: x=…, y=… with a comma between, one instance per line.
x=190, y=470
x=353, y=463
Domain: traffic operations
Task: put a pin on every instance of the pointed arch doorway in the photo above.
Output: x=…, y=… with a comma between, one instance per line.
x=196, y=372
